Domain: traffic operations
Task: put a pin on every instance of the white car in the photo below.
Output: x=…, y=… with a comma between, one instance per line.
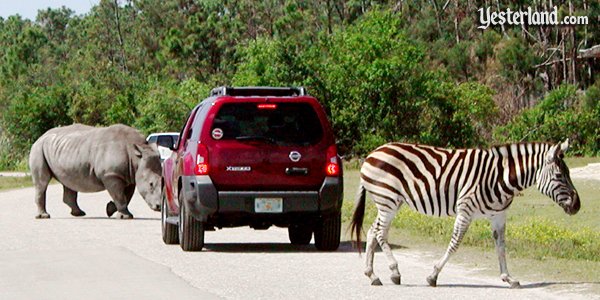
x=172, y=139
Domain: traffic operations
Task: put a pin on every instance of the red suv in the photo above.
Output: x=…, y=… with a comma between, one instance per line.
x=254, y=156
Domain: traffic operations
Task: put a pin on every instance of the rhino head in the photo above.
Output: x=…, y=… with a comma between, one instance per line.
x=148, y=174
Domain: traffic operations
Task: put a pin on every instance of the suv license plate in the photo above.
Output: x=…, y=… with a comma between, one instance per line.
x=268, y=205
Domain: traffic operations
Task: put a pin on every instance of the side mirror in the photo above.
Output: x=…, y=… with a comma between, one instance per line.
x=166, y=141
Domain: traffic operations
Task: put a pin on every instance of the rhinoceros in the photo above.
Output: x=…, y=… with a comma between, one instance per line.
x=91, y=159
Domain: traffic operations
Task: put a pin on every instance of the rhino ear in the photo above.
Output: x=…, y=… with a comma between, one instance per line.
x=138, y=150
x=153, y=147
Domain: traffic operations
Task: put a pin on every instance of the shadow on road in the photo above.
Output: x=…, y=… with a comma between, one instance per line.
x=104, y=218
x=533, y=285
x=258, y=247
x=551, y=283
x=345, y=246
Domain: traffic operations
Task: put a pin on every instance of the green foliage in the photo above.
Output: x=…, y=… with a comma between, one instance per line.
x=33, y=112
x=166, y=104
x=558, y=116
x=516, y=59
x=485, y=47
x=592, y=97
x=461, y=115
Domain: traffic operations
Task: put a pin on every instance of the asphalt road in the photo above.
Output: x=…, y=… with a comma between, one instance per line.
x=95, y=257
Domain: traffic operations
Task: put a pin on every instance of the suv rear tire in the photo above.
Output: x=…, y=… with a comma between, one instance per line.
x=327, y=233
x=299, y=235
x=169, y=231
x=191, y=231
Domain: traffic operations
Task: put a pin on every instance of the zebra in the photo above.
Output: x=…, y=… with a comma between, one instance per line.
x=466, y=183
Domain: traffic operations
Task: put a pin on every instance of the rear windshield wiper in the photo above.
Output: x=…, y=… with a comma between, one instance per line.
x=255, y=138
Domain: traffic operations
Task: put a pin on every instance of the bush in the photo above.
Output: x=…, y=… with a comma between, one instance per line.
x=561, y=114
x=166, y=104
x=31, y=114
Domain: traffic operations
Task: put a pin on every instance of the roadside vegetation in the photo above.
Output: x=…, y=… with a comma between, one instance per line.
x=13, y=182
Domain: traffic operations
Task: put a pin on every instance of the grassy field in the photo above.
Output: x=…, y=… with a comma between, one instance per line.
x=9, y=182
x=542, y=241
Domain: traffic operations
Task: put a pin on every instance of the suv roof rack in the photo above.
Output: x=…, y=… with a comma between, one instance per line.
x=258, y=91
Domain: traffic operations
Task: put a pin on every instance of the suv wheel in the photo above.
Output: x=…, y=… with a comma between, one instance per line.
x=169, y=231
x=299, y=235
x=191, y=231
x=327, y=233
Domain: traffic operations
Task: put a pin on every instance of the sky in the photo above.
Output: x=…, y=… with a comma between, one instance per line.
x=28, y=8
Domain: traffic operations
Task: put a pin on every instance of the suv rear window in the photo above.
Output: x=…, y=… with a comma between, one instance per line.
x=278, y=123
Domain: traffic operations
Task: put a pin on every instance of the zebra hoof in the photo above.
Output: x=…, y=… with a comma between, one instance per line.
x=396, y=279
x=432, y=281
x=376, y=281
x=515, y=285
x=43, y=216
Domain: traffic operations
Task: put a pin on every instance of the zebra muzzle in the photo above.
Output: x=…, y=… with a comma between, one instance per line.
x=572, y=205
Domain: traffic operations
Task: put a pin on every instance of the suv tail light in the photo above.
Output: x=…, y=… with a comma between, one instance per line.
x=267, y=106
x=333, y=164
x=201, y=160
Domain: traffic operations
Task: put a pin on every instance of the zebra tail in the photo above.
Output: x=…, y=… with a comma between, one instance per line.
x=359, y=214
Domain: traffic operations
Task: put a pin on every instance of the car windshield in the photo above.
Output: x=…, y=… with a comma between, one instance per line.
x=276, y=123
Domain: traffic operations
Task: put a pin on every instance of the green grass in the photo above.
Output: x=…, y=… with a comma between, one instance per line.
x=9, y=182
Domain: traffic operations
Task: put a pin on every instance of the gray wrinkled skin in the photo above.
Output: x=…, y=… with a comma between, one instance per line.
x=92, y=159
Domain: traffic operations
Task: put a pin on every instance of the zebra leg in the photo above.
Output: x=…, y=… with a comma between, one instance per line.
x=381, y=233
x=498, y=228
x=461, y=225
x=371, y=244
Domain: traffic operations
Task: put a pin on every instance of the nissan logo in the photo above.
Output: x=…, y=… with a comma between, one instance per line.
x=295, y=156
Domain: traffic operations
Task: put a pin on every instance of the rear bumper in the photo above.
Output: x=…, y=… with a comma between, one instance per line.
x=207, y=204
x=200, y=196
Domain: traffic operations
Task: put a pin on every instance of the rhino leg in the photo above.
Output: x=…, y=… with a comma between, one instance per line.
x=41, y=175
x=117, y=190
x=129, y=190
x=40, y=200
x=70, y=199
x=111, y=208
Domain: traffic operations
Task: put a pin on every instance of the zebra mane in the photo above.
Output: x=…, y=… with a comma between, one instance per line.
x=507, y=145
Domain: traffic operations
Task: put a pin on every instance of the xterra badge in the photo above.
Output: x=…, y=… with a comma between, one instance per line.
x=238, y=169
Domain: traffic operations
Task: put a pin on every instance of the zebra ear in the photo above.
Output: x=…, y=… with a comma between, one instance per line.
x=564, y=146
x=552, y=153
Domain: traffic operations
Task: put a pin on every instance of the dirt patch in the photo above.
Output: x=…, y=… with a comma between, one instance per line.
x=14, y=174
x=591, y=171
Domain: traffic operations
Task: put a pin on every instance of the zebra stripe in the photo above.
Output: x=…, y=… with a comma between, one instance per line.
x=468, y=183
